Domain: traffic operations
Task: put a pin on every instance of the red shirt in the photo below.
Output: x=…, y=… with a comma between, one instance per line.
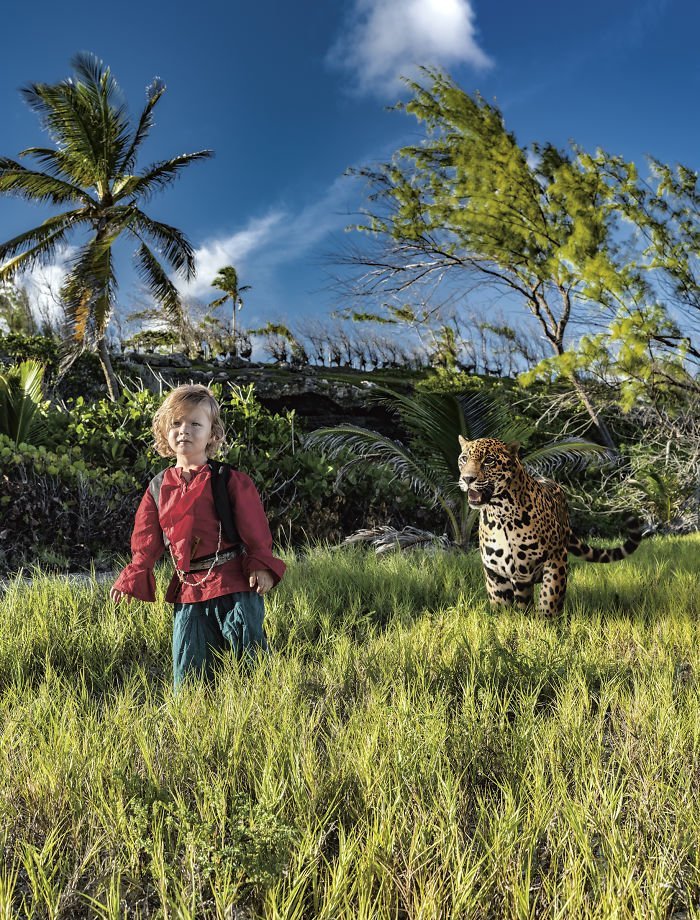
x=186, y=513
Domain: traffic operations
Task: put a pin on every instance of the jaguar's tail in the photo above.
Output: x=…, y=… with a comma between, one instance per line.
x=609, y=554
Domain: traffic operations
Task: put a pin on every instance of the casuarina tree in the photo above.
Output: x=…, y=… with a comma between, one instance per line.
x=468, y=203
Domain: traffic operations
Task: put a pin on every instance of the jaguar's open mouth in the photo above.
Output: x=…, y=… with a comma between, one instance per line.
x=479, y=497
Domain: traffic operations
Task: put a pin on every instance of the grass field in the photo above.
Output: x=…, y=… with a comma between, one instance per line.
x=403, y=753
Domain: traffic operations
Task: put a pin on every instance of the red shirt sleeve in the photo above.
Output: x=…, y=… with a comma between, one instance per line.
x=147, y=547
x=253, y=527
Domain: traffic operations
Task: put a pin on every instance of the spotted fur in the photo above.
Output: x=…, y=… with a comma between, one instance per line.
x=524, y=531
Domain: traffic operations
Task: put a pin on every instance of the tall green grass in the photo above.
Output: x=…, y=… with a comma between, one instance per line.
x=404, y=752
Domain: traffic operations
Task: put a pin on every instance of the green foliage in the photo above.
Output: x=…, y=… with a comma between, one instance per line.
x=226, y=280
x=625, y=353
x=57, y=509
x=15, y=312
x=667, y=490
x=666, y=212
x=22, y=347
x=470, y=198
x=564, y=231
x=300, y=487
x=103, y=449
x=277, y=332
x=150, y=339
x=21, y=400
x=112, y=435
x=427, y=464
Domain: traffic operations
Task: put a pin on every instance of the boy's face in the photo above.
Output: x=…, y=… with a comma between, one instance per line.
x=189, y=434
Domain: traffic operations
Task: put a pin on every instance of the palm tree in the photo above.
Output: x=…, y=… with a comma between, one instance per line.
x=227, y=281
x=91, y=169
x=428, y=463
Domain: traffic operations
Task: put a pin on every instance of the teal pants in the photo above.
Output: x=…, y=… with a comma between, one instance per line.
x=202, y=632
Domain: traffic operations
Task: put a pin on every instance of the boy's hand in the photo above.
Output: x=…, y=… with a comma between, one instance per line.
x=118, y=596
x=262, y=580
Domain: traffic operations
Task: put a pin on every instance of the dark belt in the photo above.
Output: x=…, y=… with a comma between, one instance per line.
x=203, y=562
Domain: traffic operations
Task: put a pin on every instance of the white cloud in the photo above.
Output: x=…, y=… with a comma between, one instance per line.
x=387, y=39
x=230, y=250
x=43, y=284
x=264, y=250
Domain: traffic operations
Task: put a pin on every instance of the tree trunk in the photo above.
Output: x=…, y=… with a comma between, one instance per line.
x=233, y=328
x=110, y=377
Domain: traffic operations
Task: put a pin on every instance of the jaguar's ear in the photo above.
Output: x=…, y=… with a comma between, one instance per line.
x=513, y=448
x=463, y=443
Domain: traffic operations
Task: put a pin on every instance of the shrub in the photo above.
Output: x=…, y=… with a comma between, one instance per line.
x=17, y=347
x=21, y=401
x=300, y=487
x=111, y=435
x=83, y=486
x=56, y=511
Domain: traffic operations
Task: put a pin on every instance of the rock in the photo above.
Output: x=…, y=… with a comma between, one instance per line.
x=178, y=360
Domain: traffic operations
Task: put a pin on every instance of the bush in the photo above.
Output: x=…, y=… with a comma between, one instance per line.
x=110, y=435
x=56, y=511
x=73, y=499
x=17, y=347
x=300, y=488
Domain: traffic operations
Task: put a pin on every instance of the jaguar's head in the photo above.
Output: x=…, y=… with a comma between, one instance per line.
x=486, y=468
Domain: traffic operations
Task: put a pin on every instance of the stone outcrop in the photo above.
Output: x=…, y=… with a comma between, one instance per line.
x=314, y=393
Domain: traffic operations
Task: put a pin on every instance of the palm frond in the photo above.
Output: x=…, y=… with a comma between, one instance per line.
x=574, y=454
x=55, y=160
x=219, y=302
x=375, y=448
x=387, y=539
x=429, y=464
x=171, y=242
x=486, y=417
x=153, y=93
x=162, y=288
x=98, y=96
x=88, y=295
x=69, y=125
x=37, y=255
x=48, y=235
x=93, y=71
x=38, y=186
x=21, y=394
x=161, y=174
x=435, y=420
x=227, y=280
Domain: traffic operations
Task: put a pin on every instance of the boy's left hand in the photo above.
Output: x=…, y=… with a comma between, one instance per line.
x=261, y=580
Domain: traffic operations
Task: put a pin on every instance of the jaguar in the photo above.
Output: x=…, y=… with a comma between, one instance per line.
x=524, y=531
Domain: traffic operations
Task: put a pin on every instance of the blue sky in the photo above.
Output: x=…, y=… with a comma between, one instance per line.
x=289, y=95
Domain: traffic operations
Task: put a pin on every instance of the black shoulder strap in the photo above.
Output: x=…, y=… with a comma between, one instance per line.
x=220, y=473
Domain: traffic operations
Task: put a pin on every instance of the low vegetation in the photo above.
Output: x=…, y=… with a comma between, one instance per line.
x=404, y=752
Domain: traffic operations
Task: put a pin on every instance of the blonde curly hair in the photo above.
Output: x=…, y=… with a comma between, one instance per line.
x=188, y=394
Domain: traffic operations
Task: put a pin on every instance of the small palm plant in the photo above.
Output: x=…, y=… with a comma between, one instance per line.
x=91, y=172
x=428, y=462
x=21, y=396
